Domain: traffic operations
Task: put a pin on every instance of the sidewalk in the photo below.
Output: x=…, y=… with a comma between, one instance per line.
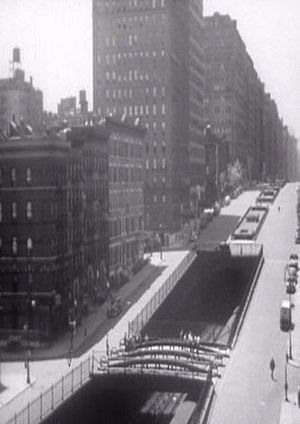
x=46, y=373
x=290, y=412
x=96, y=324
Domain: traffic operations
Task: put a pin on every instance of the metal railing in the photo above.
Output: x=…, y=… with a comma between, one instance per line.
x=45, y=403
x=146, y=313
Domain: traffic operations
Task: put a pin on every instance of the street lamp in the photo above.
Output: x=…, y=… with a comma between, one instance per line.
x=286, y=386
x=72, y=325
x=26, y=327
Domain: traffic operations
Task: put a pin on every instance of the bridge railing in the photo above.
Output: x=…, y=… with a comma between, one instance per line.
x=42, y=406
x=146, y=313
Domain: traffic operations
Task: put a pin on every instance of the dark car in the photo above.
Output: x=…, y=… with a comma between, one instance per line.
x=290, y=288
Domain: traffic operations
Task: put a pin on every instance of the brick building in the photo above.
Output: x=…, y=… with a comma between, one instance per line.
x=19, y=100
x=126, y=196
x=54, y=232
x=148, y=62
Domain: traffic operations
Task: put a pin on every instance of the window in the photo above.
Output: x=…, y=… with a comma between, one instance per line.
x=13, y=175
x=164, y=198
x=1, y=244
x=14, y=210
x=147, y=164
x=154, y=164
x=155, y=198
x=28, y=175
x=154, y=91
x=0, y=176
x=163, y=109
x=0, y=212
x=154, y=110
x=29, y=245
x=163, y=163
x=28, y=210
x=14, y=246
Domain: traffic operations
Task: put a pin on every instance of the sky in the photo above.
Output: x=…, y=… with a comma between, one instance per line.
x=55, y=37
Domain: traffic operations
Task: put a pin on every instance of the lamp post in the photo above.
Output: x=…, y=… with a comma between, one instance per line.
x=286, y=386
x=31, y=307
x=27, y=359
x=72, y=324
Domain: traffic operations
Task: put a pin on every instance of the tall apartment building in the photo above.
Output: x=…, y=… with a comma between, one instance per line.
x=19, y=100
x=148, y=62
x=53, y=232
x=126, y=196
x=233, y=92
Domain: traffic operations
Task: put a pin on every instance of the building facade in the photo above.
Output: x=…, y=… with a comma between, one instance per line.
x=53, y=232
x=148, y=63
x=126, y=197
x=236, y=105
x=20, y=101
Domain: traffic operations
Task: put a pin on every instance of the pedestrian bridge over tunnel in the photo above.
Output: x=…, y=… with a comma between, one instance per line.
x=177, y=358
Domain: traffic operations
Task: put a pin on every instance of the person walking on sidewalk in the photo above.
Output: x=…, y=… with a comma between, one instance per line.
x=298, y=395
x=272, y=367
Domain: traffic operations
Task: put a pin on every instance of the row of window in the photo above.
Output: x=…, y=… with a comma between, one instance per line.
x=120, y=173
x=124, y=94
x=14, y=210
x=13, y=176
x=124, y=149
x=155, y=150
x=155, y=164
x=14, y=245
x=157, y=199
x=131, y=75
x=118, y=6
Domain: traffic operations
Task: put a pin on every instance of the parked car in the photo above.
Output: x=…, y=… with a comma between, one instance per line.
x=285, y=316
x=290, y=288
x=293, y=261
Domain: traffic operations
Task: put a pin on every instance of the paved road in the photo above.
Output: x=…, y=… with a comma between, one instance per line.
x=246, y=394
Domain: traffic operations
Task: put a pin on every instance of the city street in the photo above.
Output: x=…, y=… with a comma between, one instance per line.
x=246, y=393
x=45, y=373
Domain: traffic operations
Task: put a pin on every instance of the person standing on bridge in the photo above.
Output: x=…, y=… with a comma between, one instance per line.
x=272, y=367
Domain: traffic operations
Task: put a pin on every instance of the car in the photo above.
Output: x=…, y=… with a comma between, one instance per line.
x=290, y=288
x=294, y=256
x=293, y=261
x=292, y=272
x=292, y=279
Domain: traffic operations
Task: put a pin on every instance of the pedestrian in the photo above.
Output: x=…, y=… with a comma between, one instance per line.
x=278, y=209
x=298, y=395
x=272, y=367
